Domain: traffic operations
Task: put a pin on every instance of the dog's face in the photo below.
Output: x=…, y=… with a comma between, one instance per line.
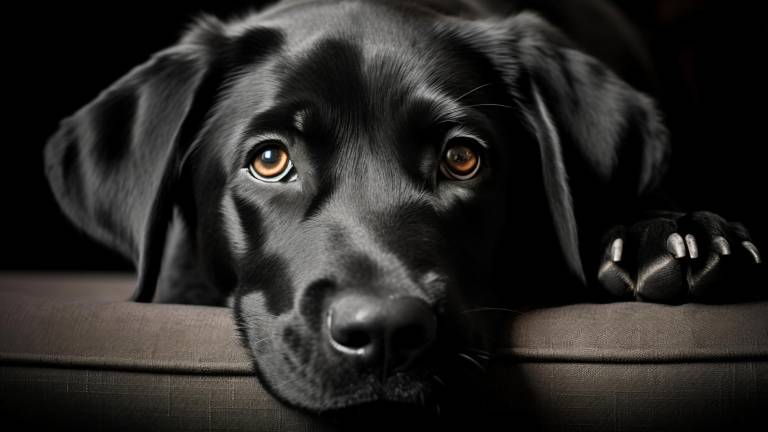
x=359, y=185
x=343, y=171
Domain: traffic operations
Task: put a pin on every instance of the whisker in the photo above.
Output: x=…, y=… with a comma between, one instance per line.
x=260, y=341
x=484, y=355
x=491, y=105
x=287, y=382
x=472, y=91
x=472, y=361
x=298, y=377
x=259, y=347
x=439, y=380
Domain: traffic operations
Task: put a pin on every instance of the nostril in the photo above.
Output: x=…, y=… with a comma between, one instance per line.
x=350, y=337
x=389, y=333
x=354, y=324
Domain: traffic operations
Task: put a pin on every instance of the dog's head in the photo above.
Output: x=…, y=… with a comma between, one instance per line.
x=345, y=170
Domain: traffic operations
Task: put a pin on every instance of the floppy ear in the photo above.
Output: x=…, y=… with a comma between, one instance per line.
x=575, y=106
x=114, y=164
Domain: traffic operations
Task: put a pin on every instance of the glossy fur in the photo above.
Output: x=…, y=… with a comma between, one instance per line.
x=364, y=93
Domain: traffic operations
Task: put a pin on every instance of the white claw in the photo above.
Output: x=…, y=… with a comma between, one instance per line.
x=617, y=249
x=693, y=248
x=676, y=245
x=752, y=249
x=721, y=246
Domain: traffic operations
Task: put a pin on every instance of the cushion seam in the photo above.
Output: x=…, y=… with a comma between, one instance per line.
x=112, y=363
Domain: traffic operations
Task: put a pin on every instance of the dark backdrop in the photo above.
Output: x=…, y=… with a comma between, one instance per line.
x=58, y=57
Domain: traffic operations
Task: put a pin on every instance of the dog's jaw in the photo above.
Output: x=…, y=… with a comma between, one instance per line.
x=295, y=372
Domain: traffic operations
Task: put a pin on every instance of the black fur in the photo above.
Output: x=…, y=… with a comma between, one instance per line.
x=156, y=167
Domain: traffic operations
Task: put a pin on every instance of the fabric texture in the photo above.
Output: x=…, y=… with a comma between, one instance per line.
x=94, y=361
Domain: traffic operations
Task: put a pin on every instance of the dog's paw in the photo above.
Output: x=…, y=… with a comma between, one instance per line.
x=680, y=257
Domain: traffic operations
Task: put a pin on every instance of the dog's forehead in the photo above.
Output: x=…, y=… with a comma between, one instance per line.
x=303, y=23
x=397, y=49
x=360, y=67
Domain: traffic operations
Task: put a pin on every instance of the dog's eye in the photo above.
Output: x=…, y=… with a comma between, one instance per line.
x=461, y=160
x=272, y=163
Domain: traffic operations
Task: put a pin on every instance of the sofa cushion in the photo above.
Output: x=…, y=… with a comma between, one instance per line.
x=605, y=366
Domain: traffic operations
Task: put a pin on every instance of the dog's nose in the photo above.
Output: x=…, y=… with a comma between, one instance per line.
x=386, y=333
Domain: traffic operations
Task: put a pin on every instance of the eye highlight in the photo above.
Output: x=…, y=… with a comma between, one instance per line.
x=271, y=163
x=461, y=160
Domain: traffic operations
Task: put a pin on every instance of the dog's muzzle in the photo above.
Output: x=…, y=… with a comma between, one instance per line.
x=382, y=334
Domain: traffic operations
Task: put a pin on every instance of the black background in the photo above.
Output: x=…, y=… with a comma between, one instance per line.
x=57, y=57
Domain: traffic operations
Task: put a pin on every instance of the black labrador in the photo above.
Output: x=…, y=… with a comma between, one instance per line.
x=361, y=179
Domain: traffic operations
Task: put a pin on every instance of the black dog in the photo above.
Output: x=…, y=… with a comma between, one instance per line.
x=359, y=176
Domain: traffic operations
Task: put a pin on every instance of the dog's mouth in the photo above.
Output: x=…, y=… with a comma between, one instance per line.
x=398, y=352
x=423, y=401
x=347, y=392
x=337, y=390
x=402, y=389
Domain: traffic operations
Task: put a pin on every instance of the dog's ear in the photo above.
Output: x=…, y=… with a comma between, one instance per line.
x=114, y=164
x=578, y=110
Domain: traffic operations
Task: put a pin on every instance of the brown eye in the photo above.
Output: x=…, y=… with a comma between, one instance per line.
x=461, y=160
x=271, y=163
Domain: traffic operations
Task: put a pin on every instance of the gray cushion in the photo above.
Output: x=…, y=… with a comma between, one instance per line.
x=92, y=359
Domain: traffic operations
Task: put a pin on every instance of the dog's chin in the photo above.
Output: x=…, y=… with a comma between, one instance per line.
x=386, y=406
x=400, y=390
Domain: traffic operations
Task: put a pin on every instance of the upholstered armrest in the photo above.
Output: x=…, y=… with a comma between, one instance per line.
x=95, y=361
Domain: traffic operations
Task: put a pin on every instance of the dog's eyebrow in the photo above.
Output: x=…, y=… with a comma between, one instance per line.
x=276, y=119
x=464, y=131
x=445, y=110
x=441, y=108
